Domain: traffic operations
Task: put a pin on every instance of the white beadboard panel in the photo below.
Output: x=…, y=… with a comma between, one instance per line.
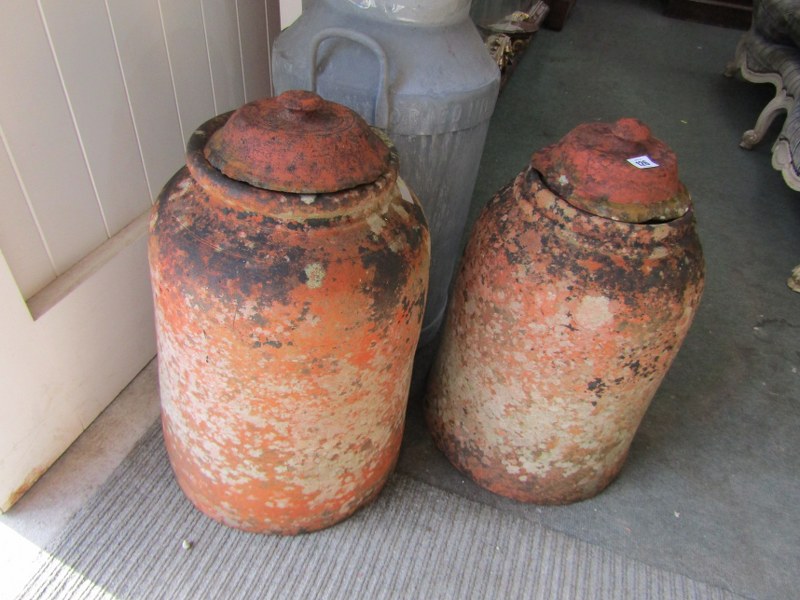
x=145, y=70
x=189, y=62
x=255, y=51
x=85, y=51
x=20, y=240
x=224, y=53
x=41, y=137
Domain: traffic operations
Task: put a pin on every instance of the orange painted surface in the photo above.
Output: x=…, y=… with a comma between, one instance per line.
x=561, y=327
x=287, y=325
x=298, y=143
x=589, y=168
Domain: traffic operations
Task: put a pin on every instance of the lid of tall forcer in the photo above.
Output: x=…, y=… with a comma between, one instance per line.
x=298, y=143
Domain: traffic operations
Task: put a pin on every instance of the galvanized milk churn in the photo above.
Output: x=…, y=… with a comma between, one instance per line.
x=576, y=290
x=289, y=282
x=421, y=71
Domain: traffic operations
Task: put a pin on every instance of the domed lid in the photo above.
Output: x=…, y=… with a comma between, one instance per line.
x=615, y=170
x=298, y=143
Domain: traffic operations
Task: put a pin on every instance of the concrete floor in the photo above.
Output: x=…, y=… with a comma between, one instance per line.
x=711, y=488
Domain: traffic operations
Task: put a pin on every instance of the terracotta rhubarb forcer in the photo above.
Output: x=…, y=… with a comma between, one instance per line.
x=576, y=290
x=289, y=267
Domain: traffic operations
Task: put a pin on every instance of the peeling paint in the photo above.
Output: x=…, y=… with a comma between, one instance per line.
x=593, y=312
x=376, y=223
x=315, y=275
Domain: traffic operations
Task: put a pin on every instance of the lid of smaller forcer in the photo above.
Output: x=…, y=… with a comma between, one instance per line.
x=298, y=143
x=615, y=170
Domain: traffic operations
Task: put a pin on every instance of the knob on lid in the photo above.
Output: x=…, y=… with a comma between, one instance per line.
x=298, y=143
x=615, y=170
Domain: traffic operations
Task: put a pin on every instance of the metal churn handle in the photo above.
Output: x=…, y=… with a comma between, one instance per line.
x=382, y=98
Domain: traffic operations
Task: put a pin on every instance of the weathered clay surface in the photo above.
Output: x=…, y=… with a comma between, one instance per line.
x=589, y=169
x=297, y=143
x=287, y=325
x=561, y=327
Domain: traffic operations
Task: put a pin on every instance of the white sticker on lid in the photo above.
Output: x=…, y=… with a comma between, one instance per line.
x=643, y=162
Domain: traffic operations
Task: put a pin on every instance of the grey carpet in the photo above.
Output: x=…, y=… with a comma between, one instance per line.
x=415, y=541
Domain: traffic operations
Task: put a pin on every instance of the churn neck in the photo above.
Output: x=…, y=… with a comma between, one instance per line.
x=421, y=13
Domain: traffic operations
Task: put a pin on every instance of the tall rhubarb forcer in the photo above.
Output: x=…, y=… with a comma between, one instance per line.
x=289, y=266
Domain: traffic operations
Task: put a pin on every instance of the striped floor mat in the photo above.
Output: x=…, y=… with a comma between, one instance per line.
x=414, y=542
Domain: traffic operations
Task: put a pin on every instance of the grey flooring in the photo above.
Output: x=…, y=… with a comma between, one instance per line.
x=712, y=486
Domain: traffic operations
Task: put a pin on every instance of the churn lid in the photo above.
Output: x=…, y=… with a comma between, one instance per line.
x=298, y=143
x=615, y=170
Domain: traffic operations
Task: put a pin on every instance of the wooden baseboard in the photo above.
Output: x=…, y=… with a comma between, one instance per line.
x=727, y=13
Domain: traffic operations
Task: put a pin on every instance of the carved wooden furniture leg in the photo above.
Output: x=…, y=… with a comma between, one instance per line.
x=782, y=102
x=774, y=61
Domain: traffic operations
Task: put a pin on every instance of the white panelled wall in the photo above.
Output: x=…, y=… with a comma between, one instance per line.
x=97, y=100
x=102, y=95
x=290, y=10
